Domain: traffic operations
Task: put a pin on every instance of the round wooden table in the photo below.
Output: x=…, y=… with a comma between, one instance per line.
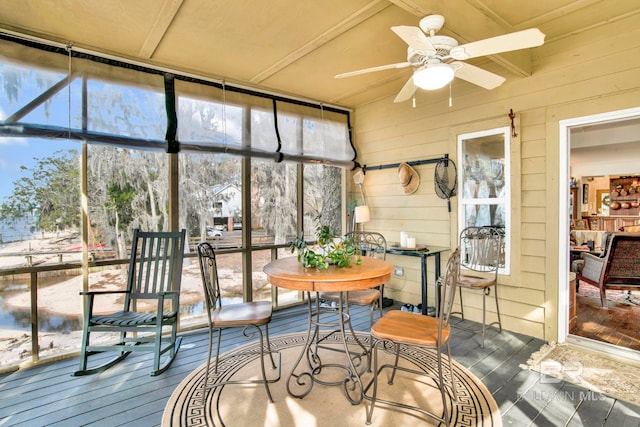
x=290, y=274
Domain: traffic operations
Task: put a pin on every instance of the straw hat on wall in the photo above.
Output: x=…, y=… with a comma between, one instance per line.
x=409, y=178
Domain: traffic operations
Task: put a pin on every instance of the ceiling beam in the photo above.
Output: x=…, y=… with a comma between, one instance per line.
x=457, y=16
x=159, y=28
x=351, y=21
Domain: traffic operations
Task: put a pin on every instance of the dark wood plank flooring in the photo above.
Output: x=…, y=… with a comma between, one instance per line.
x=127, y=395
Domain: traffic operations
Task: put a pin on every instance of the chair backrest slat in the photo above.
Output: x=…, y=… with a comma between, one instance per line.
x=146, y=259
x=156, y=262
x=163, y=252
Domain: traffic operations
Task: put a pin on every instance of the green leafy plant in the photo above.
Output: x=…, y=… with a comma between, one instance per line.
x=329, y=249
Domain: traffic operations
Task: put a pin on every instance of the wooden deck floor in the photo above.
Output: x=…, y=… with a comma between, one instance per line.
x=127, y=395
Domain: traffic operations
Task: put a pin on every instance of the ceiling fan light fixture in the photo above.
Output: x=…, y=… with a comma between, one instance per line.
x=433, y=76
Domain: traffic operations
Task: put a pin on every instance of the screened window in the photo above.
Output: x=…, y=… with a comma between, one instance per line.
x=117, y=109
x=324, y=136
x=322, y=198
x=274, y=204
x=126, y=189
x=210, y=122
x=77, y=128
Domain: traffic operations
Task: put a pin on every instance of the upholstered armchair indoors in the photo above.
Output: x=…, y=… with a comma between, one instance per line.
x=589, y=271
x=617, y=269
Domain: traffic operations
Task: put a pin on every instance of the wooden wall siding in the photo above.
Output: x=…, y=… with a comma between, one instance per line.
x=587, y=73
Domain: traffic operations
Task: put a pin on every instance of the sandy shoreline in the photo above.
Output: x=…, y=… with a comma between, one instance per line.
x=64, y=298
x=11, y=252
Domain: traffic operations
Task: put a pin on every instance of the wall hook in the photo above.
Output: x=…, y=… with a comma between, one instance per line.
x=513, y=126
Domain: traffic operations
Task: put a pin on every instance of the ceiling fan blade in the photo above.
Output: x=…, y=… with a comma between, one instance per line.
x=414, y=37
x=407, y=91
x=478, y=76
x=513, y=41
x=372, y=69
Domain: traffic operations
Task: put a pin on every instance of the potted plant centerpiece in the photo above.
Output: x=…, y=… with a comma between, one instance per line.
x=329, y=249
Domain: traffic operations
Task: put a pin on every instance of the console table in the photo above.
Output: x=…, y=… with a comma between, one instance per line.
x=431, y=251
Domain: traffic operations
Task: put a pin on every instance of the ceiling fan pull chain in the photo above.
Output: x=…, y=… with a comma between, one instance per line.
x=414, y=100
x=450, y=101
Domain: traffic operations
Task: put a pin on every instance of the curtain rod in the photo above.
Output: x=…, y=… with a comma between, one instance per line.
x=395, y=165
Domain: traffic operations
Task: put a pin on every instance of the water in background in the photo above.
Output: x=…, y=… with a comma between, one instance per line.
x=20, y=319
x=20, y=229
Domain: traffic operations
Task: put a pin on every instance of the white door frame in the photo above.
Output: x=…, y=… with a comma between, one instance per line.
x=564, y=268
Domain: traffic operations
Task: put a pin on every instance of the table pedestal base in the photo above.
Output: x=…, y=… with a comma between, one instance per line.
x=300, y=384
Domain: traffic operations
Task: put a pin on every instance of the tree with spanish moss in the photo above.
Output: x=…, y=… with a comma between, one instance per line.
x=52, y=186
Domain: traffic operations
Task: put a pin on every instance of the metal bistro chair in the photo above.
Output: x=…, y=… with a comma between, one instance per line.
x=241, y=315
x=482, y=250
x=155, y=271
x=373, y=245
x=398, y=329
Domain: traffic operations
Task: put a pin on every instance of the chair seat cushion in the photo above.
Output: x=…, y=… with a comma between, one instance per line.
x=128, y=318
x=249, y=313
x=475, y=281
x=410, y=328
x=360, y=297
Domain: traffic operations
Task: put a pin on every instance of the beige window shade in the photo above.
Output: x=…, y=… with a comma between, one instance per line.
x=211, y=116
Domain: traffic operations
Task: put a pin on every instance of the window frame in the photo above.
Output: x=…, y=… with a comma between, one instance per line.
x=505, y=200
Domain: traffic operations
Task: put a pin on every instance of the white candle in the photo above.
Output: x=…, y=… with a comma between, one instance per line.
x=411, y=242
x=403, y=239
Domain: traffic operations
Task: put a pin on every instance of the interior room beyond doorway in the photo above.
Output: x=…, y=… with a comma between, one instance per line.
x=604, y=194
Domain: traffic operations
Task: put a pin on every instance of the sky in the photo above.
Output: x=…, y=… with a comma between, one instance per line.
x=16, y=152
x=20, y=85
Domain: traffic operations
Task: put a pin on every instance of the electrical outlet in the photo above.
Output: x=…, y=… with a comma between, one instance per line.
x=398, y=271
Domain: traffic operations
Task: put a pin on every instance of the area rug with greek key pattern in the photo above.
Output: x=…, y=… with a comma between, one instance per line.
x=247, y=404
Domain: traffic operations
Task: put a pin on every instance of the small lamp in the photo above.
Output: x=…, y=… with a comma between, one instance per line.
x=362, y=214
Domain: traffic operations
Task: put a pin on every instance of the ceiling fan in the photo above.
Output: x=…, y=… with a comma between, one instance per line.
x=438, y=59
